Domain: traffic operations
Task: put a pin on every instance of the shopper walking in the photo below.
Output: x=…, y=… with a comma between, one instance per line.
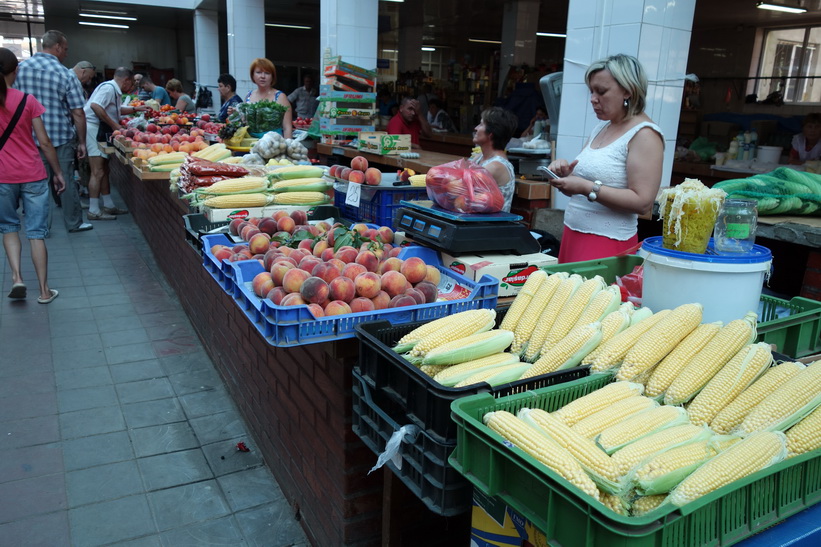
x=103, y=111
x=61, y=94
x=23, y=178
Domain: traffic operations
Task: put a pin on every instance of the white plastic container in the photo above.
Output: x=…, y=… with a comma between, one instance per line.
x=768, y=154
x=728, y=286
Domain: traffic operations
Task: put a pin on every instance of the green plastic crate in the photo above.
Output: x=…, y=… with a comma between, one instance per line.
x=571, y=518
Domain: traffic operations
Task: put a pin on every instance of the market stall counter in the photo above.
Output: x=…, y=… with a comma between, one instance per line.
x=422, y=164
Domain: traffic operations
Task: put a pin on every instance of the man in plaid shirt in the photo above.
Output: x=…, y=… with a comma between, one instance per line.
x=58, y=89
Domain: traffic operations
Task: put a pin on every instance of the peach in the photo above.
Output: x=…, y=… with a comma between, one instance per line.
x=286, y=250
x=360, y=228
x=429, y=290
x=359, y=162
x=307, y=244
x=223, y=254
x=368, y=284
x=343, y=174
x=337, y=307
x=286, y=224
x=280, y=214
x=239, y=248
x=327, y=254
x=402, y=300
x=322, y=226
x=268, y=226
x=417, y=295
x=236, y=257
x=370, y=233
x=258, y=244
x=385, y=234
x=373, y=176
x=262, y=284
x=274, y=244
x=343, y=288
x=314, y=290
x=299, y=217
x=395, y=251
x=319, y=247
x=276, y=295
x=432, y=274
x=278, y=271
x=336, y=263
x=353, y=269
x=332, y=170
x=326, y=271
x=381, y=300
x=414, y=269
x=309, y=263
x=369, y=260
x=293, y=279
x=316, y=309
x=233, y=226
x=362, y=304
x=248, y=232
x=346, y=254
x=254, y=220
x=292, y=299
x=393, y=283
x=283, y=258
x=356, y=176
x=389, y=264
x=299, y=254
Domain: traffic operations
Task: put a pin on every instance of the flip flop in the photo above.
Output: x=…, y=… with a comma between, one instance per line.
x=18, y=291
x=54, y=294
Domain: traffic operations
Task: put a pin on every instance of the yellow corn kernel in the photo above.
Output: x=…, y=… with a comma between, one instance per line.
x=613, y=351
x=451, y=328
x=671, y=366
x=527, y=322
x=589, y=404
x=640, y=425
x=614, y=503
x=734, y=413
x=568, y=352
x=233, y=201
x=756, y=452
x=301, y=198
x=805, y=436
x=495, y=376
x=660, y=340
x=612, y=414
x=612, y=324
x=432, y=370
x=523, y=299
x=662, y=472
x=644, y=504
x=634, y=453
x=481, y=317
x=742, y=370
x=454, y=374
x=551, y=312
x=238, y=185
x=707, y=362
x=572, y=310
x=470, y=347
x=605, y=302
x=543, y=449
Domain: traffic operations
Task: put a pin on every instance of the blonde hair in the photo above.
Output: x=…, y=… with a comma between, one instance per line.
x=174, y=85
x=629, y=74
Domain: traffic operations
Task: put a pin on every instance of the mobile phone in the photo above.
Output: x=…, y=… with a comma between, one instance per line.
x=548, y=172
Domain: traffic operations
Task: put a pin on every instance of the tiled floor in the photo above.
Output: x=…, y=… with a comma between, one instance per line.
x=115, y=428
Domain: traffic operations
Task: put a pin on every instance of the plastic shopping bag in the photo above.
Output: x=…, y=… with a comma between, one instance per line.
x=464, y=187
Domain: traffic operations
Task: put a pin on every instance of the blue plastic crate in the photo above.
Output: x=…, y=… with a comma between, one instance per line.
x=378, y=203
x=296, y=325
x=220, y=270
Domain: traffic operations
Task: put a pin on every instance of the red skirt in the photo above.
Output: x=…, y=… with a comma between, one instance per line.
x=578, y=246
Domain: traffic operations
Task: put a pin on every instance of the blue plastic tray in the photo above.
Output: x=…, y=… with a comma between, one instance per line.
x=220, y=270
x=377, y=204
x=295, y=325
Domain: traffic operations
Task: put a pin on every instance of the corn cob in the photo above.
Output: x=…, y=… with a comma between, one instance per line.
x=805, y=436
x=644, y=376
x=174, y=157
x=596, y=463
x=611, y=415
x=659, y=340
x=248, y=185
x=296, y=172
x=301, y=198
x=549, y=315
x=441, y=331
x=613, y=351
x=572, y=310
x=543, y=449
x=523, y=299
x=496, y=376
x=734, y=413
x=785, y=406
x=615, y=503
x=469, y=348
x=312, y=184
x=756, y=452
x=635, y=453
x=707, y=362
x=568, y=352
x=742, y=370
x=432, y=370
x=233, y=201
x=165, y=167
x=639, y=426
x=215, y=152
x=589, y=404
x=663, y=472
x=527, y=322
x=671, y=366
x=454, y=374
x=644, y=504
x=612, y=324
x=605, y=302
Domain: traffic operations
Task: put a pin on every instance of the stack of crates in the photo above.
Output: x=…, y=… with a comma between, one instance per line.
x=347, y=102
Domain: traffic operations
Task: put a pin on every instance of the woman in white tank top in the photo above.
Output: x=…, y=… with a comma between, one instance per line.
x=618, y=173
x=492, y=135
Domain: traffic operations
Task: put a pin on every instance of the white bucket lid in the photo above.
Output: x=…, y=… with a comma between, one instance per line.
x=758, y=259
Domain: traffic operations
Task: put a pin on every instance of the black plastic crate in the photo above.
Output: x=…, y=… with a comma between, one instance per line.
x=196, y=226
x=409, y=396
x=421, y=463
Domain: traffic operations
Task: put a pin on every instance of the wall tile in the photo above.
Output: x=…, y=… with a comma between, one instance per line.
x=624, y=39
x=581, y=15
x=678, y=50
x=625, y=11
x=650, y=52
x=575, y=101
x=579, y=50
x=679, y=14
x=654, y=11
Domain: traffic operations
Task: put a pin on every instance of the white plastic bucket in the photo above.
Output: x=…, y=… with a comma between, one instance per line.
x=768, y=154
x=728, y=286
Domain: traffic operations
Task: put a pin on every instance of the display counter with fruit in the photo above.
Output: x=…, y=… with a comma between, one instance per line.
x=425, y=161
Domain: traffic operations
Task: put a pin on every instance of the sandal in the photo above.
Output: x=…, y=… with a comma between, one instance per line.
x=54, y=294
x=18, y=291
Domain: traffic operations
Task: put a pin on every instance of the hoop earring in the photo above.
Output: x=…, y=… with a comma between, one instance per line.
x=626, y=103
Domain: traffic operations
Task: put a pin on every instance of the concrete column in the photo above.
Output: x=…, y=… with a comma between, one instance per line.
x=519, y=27
x=349, y=29
x=246, y=39
x=206, y=51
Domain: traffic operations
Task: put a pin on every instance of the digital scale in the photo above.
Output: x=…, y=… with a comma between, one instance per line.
x=456, y=233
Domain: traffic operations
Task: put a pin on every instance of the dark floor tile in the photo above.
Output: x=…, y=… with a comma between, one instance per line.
x=115, y=324
x=161, y=411
x=162, y=318
x=97, y=450
x=174, y=469
x=83, y=377
x=35, y=382
x=176, y=346
x=224, y=458
x=138, y=370
x=246, y=489
x=156, y=305
x=49, y=530
x=28, y=405
x=125, y=337
x=153, y=540
x=272, y=524
x=73, y=328
x=57, y=316
x=16, y=352
x=145, y=390
x=128, y=353
x=187, y=504
x=79, y=359
x=219, y=427
x=109, y=299
x=34, y=496
x=203, y=403
x=36, y=363
x=87, y=397
x=30, y=432
x=113, y=311
x=102, y=290
x=221, y=531
x=84, y=423
x=79, y=342
x=68, y=302
x=104, y=482
x=32, y=461
x=186, y=362
x=163, y=439
x=111, y=521
x=199, y=380
x=172, y=330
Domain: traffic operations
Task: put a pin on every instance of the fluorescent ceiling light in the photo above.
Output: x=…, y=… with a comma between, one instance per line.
x=779, y=7
x=116, y=17
x=388, y=51
x=484, y=41
x=551, y=35
x=392, y=0
x=108, y=25
x=283, y=25
x=428, y=49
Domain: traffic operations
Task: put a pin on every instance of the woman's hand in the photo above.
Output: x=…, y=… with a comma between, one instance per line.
x=562, y=167
x=572, y=185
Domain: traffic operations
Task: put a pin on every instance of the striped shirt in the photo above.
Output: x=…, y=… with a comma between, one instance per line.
x=57, y=88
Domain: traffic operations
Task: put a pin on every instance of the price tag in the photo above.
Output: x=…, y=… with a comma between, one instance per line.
x=354, y=194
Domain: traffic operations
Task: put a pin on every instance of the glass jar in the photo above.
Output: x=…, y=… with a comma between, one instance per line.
x=735, y=226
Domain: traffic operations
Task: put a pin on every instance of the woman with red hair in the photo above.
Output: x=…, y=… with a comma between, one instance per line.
x=264, y=74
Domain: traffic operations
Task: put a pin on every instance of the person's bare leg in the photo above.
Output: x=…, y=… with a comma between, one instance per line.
x=39, y=256
x=97, y=166
x=13, y=247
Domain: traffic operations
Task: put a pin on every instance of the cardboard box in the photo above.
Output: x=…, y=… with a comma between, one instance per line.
x=529, y=189
x=338, y=110
x=218, y=215
x=328, y=93
x=328, y=127
x=511, y=270
x=379, y=142
x=335, y=65
x=494, y=524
